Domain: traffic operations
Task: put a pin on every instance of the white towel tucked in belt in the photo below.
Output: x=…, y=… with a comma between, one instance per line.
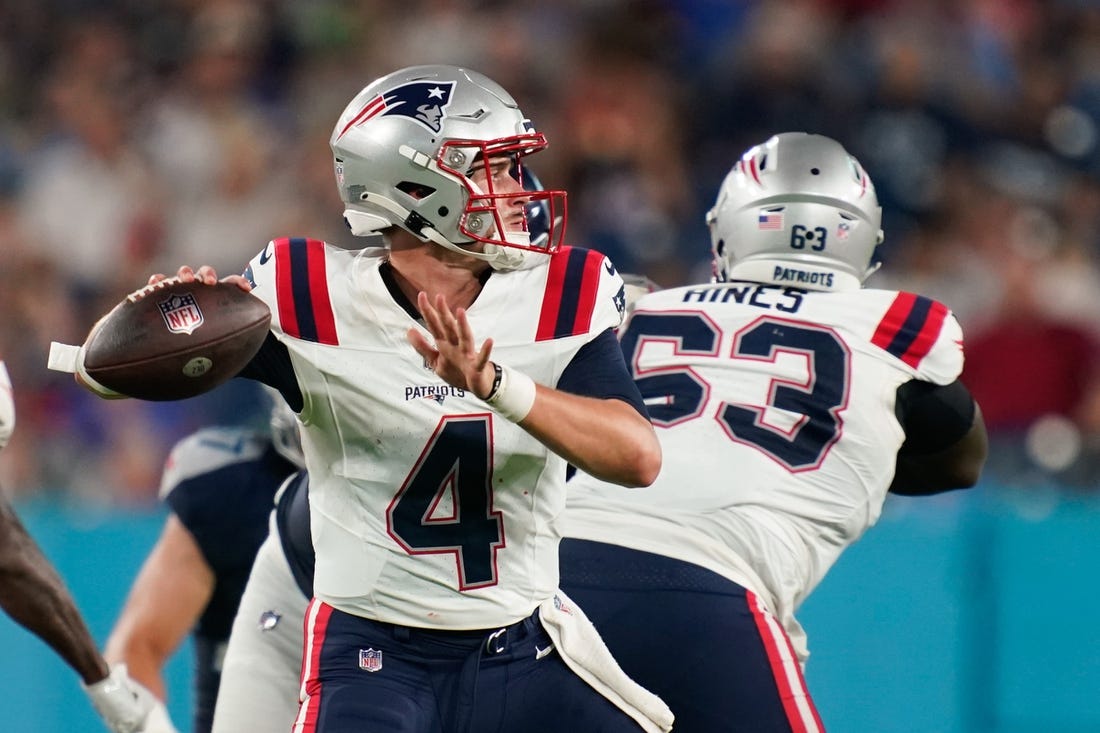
x=584, y=652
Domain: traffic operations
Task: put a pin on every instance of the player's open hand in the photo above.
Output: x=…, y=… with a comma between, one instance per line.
x=206, y=275
x=454, y=356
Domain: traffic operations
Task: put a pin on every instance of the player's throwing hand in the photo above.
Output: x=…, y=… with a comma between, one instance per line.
x=454, y=357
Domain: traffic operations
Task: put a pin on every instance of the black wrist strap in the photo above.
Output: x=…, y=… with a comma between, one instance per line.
x=498, y=377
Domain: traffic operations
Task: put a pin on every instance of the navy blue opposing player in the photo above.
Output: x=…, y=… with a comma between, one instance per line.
x=220, y=485
x=788, y=401
x=437, y=463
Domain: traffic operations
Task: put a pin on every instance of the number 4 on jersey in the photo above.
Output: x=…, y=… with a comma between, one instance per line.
x=445, y=505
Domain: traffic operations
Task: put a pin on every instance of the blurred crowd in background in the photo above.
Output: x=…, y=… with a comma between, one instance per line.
x=140, y=135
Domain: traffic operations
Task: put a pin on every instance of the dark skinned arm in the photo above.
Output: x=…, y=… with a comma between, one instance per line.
x=33, y=594
x=946, y=443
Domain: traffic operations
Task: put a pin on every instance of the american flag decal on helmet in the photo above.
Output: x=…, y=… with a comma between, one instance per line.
x=769, y=219
x=423, y=102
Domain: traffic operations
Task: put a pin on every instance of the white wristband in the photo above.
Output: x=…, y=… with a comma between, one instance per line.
x=514, y=395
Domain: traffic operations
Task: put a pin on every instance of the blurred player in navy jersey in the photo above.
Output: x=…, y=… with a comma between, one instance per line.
x=34, y=595
x=220, y=485
x=788, y=402
x=437, y=463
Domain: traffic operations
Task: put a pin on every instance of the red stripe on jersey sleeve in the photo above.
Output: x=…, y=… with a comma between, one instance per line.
x=318, y=289
x=929, y=332
x=590, y=286
x=551, y=297
x=284, y=289
x=894, y=319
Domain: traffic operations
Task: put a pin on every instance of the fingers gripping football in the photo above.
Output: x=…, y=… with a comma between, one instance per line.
x=173, y=339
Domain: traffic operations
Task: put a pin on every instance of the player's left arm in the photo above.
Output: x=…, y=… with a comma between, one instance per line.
x=606, y=437
x=166, y=599
x=945, y=439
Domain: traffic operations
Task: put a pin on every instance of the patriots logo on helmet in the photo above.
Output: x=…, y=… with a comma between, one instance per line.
x=424, y=102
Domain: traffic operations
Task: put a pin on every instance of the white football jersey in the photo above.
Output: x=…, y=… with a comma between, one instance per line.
x=775, y=412
x=428, y=509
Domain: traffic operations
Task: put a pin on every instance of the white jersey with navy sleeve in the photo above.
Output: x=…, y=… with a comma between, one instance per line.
x=775, y=412
x=427, y=509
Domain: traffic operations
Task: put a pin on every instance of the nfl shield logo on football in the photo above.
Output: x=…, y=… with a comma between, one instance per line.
x=370, y=660
x=842, y=230
x=181, y=313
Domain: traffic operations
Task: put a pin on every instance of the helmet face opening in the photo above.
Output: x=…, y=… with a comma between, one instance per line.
x=504, y=217
x=797, y=210
x=407, y=149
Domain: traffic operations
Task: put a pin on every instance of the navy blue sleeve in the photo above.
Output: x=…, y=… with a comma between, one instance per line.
x=598, y=369
x=272, y=366
x=934, y=416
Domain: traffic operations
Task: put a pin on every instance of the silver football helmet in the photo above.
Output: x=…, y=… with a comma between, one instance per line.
x=796, y=210
x=404, y=150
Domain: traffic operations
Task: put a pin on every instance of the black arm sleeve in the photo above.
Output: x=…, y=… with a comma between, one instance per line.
x=271, y=365
x=933, y=416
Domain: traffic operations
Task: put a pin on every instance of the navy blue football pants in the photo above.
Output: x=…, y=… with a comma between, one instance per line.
x=702, y=643
x=363, y=676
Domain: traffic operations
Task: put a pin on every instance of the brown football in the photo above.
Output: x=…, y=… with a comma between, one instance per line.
x=173, y=340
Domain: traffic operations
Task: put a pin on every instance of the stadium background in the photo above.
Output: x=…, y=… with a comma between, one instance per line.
x=136, y=136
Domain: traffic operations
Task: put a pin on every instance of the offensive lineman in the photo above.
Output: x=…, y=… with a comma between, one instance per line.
x=788, y=401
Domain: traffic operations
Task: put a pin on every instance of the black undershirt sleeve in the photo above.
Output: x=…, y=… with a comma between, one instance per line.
x=598, y=369
x=933, y=416
x=271, y=365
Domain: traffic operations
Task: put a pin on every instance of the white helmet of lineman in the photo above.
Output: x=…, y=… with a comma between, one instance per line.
x=797, y=210
x=404, y=149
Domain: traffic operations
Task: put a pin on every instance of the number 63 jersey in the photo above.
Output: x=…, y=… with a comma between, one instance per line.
x=775, y=411
x=426, y=508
